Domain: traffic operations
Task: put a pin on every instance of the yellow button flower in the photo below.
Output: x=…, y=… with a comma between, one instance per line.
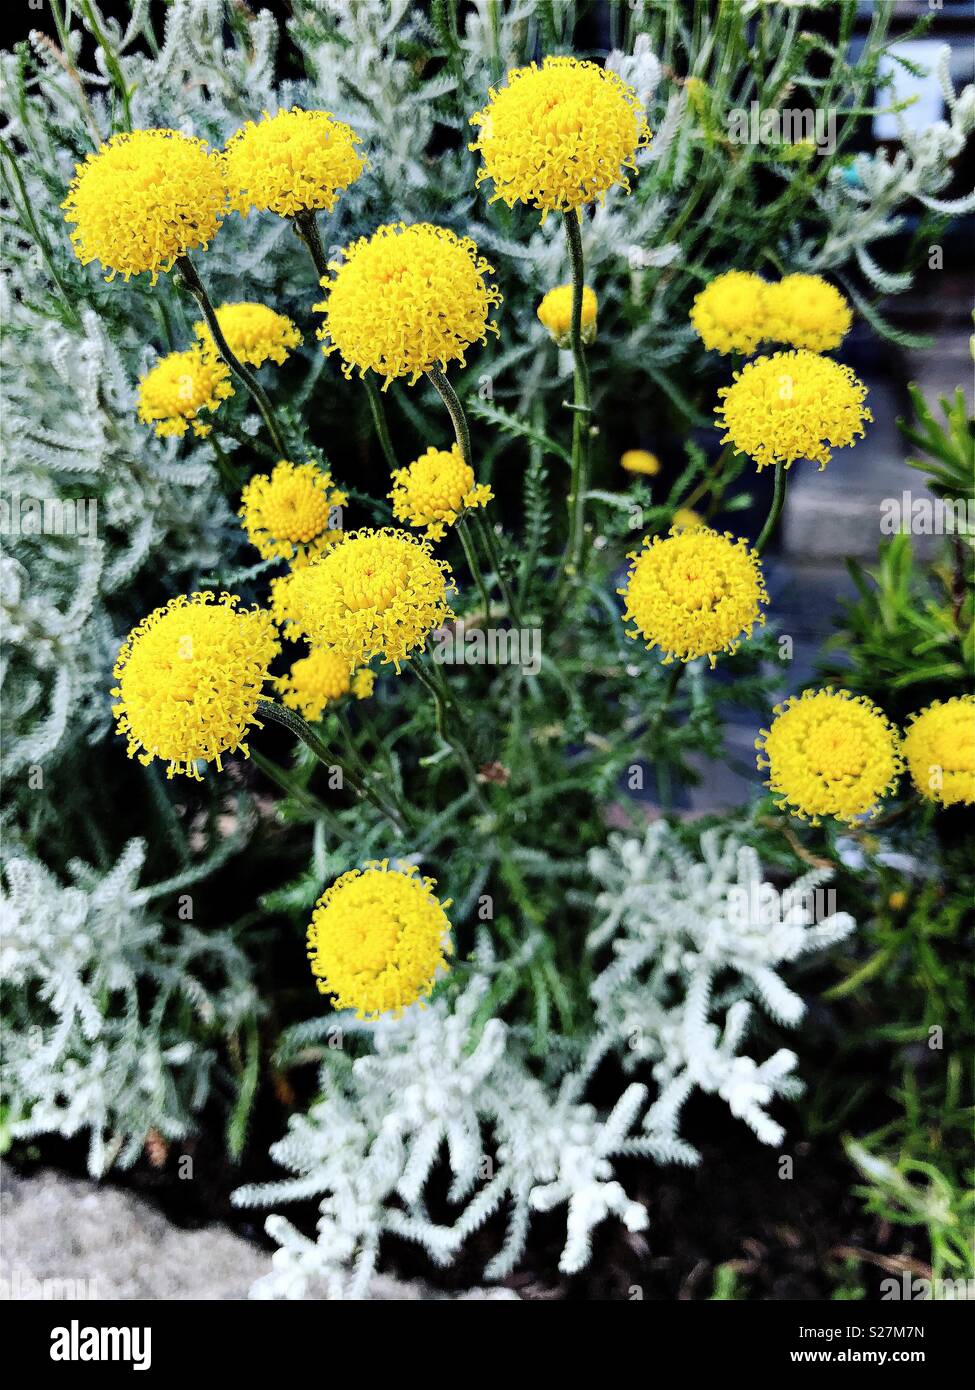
x=555, y=312
x=254, y=333
x=406, y=299
x=694, y=593
x=830, y=753
x=686, y=518
x=806, y=312
x=376, y=593
x=640, y=461
x=940, y=749
x=144, y=199
x=293, y=514
x=320, y=679
x=435, y=490
x=792, y=405
x=729, y=314
x=560, y=135
x=295, y=161
x=377, y=939
x=178, y=387
x=189, y=679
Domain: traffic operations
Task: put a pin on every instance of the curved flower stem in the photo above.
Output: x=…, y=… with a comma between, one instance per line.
x=775, y=511
x=294, y=723
x=442, y=700
x=462, y=434
x=306, y=226
x=379, y=418
x=490, y=542
x=456, y=411
x=470, y=554
x=191, y=281
x=581, y=407
x=362, y=771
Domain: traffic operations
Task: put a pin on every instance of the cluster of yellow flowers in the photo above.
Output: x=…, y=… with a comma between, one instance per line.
x=378, y=938
x=320, y=679
x=435, y=491
x=409, y=300
x=738, y=310
x=694, y=593
x=181, y=384
x=289, y=515
x=830, y=753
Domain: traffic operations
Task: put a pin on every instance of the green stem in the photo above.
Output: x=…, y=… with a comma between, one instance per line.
x=296, y=725
x=490, y=542
x=472, y=564
x=442, y=700
x=191, y=281
x=286, y=782
x=778, y=501
x=225, y=468
x=362, y=772
x=26, y=211
x=306, y=226
x=456, y=411
x=379, y=419
x=581, y=397
x=462, y=434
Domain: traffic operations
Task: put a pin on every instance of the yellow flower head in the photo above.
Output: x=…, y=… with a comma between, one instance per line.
x=405, y=299
x=319, y=679
x=189, y=679
x=178, y=387
x=940, y=749
x=144, y=199
x=295, y=161
x=694, y=593
x=830, y=753
x=376, y=593
x=640, y=461
x=560, y=135
x=254, y=333
x=729, y=314
x=806, y=312
x=435, y=490
x=792, y=405
x=377, y=939
x=686, y=518
x=555, y=312
x=291, y=514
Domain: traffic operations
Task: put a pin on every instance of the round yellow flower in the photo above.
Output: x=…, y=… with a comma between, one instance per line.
x=686, y=518
x=376, y=593
x=377, y=939
x=555, y=312
x=694, y=593
x=806, y=312
x=729, y=314
x=830, y=753
x=254, y=333
x=939, y=745
x=319, y=679
x=792, y=405
x=640, y=461
x=435, y=490
x=560, y=135
x=405, y=299
x=189, y=679
x=144, y=199
x=178, y=387
x=293, y=514
x=295, y=161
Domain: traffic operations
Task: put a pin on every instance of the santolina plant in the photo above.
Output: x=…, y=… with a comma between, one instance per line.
x=310, y=604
